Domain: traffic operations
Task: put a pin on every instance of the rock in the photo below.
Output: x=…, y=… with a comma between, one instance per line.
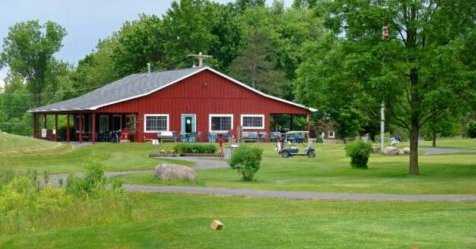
x=406, y=150
x=391, y=151
x=175, y=172
x=216, y=225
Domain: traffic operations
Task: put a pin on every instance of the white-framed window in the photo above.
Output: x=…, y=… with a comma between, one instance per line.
x=331, y=134
x=252, y=121
x=220, y=122
x=156, y=122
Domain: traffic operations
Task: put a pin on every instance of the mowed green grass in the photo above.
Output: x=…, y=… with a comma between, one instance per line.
x=330, y=172
x=182, y=221
x=34, y=154
x=14, y=144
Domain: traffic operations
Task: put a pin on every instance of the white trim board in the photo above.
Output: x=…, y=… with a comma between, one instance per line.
x=216, y=72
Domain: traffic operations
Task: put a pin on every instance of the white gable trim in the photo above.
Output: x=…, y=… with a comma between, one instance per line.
x=216, y=72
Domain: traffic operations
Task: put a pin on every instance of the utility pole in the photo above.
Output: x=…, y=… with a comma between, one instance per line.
x=200, y=57
x=385, y=35
x=382, y=126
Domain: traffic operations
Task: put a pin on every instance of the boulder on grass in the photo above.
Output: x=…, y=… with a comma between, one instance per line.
x=406, y=151
x=175, y=172
x=391, y=151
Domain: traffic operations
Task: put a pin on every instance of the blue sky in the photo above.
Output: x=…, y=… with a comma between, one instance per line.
x=86, y=21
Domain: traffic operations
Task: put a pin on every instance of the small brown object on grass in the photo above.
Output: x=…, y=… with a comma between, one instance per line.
x=216, y=225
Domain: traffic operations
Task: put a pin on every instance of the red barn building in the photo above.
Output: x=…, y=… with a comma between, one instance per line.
x=194, y=103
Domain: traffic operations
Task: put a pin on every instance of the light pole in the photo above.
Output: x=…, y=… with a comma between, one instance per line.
x=385, y=35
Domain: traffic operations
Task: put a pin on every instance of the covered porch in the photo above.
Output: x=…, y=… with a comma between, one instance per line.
x=85, y=126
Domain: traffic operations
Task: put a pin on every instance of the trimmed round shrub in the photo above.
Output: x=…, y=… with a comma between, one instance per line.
x=359, y=152
x=195, y=148
x=471, y=130
x=246, y=160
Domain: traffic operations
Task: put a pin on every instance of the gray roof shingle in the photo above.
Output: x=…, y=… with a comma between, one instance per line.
x=128, y=87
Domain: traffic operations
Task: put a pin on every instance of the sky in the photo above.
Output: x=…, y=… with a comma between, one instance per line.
x=86, y=21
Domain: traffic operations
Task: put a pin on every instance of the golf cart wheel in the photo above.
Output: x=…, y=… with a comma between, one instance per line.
x=285, y=154
x=311, y=154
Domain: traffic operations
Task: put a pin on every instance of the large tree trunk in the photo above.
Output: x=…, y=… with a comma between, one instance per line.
x=414, y=134
x=414, y=123
x=433, y=138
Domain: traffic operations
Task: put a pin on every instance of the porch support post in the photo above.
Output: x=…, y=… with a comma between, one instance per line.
x=45, y=118
x=93, y=131
x=68, y=135
x=291, y=121
x=56, y=127
x=34, y=125
x=308, y=121
x=80, y=134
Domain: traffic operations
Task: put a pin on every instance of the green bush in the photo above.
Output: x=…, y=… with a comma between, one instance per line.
x=471, y=130
x=359, y=152
x=27, y=206
x=93, y=181
x=195, y=148
x=246, y=160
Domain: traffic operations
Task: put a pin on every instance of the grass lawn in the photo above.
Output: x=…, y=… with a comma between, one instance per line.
x=57, y=157
x=14, y=144
x=330, y=172
x=182, y=221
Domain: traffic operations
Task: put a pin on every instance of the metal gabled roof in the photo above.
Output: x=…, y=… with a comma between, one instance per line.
x=138, y=85
x=131, y=86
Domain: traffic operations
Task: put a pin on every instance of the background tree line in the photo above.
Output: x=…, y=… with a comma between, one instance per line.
x=326, y=54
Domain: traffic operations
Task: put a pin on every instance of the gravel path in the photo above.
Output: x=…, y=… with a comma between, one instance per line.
x=201, y=163
x=214, y=163
x=292, y=195
x=442, y=151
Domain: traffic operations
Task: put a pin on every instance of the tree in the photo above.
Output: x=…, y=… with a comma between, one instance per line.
x=418, y=72
x=28, y=50
x=245, y=4
x=95, y=69
x=440, y=125
x=138, y=43
x=321, y=81
x=186, y=29
x=14, y=102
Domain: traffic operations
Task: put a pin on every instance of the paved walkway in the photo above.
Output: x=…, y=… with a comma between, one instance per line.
x=297, y=195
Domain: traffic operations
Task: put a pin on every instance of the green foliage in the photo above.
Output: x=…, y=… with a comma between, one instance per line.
x=359, y=152
x=195, y=148
x=247, y=161
x=420, y=71
x=471, y=129
x=93, y=182
x=138, y=43
x=28, y=50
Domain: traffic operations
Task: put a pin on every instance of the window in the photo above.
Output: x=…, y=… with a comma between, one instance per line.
x=331, y=134
x=252, y=121
x=156, y=122
x=221, y=122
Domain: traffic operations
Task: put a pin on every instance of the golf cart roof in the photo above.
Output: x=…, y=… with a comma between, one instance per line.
x=297, y=132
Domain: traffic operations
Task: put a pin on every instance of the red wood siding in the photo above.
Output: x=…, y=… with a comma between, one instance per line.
x=202, y=94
